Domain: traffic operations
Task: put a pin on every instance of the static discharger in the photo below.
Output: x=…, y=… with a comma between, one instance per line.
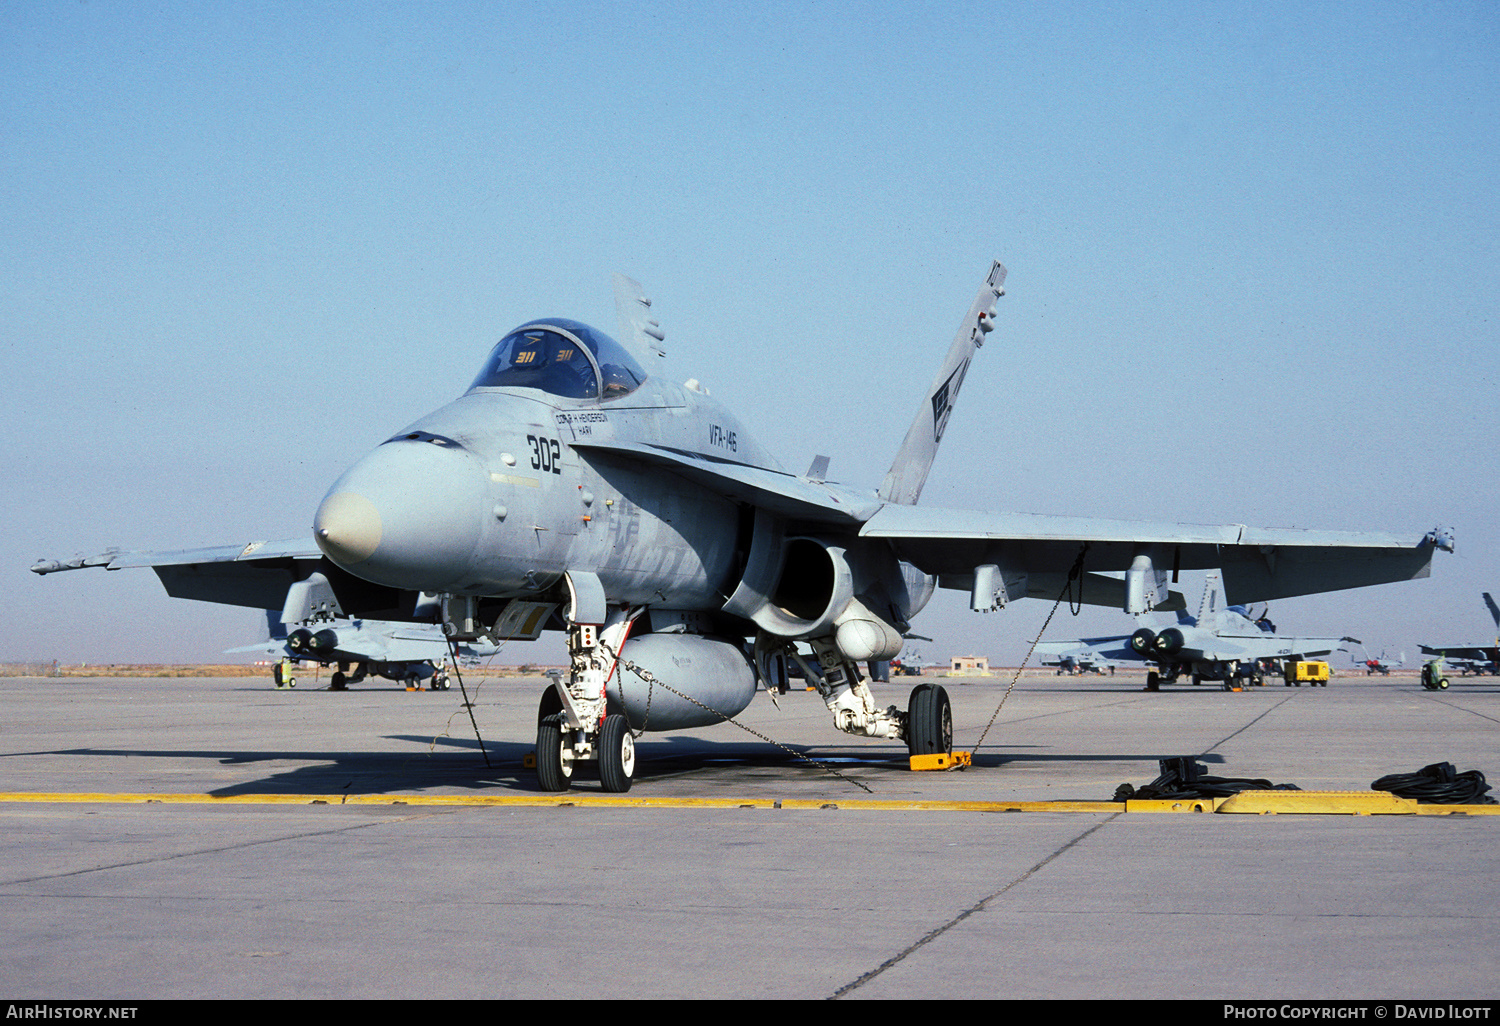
x=942, y=761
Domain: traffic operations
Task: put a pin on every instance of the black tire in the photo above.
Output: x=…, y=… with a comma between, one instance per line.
x=276, y=675
x=616, y=754
x=553, y=771
x=1153, y=680
x=338, y=682
x=929, y=721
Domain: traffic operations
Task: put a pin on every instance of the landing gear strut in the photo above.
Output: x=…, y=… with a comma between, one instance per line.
x=847, y=695
x=572, y=725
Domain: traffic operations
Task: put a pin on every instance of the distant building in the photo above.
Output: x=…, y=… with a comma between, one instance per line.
x=970, y=664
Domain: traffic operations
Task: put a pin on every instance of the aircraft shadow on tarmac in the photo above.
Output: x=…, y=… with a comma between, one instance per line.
x=456, y=762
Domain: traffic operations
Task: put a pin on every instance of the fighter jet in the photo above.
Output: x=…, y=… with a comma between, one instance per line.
x=402, y=652
x=1377, y=664
x=1222, y=643
x=1083, y=656
x=1475, y=659
x=580, y=485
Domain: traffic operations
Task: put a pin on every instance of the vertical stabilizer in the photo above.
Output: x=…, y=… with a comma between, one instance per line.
x=904, y=481
x=1494, y=610
x=639, y=330
x=1213, y=601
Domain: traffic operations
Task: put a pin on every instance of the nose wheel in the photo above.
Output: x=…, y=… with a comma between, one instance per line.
x=554, y=753
x=616, y=754
x=559, y=750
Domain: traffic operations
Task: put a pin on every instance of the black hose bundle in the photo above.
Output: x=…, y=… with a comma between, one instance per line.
x=1183, y=777
x=1438, y=784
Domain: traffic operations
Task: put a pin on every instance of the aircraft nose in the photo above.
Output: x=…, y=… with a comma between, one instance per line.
x=408, y=515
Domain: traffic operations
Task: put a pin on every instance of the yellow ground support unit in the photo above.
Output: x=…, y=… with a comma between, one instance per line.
x=942, y=761
x=1311, y=672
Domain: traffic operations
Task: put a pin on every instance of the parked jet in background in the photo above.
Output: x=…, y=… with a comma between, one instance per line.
x=1475, y=659
x=402, y=652
x=1088, y=655
x=1379, y=664
x=1223, y=643
x=581, y=486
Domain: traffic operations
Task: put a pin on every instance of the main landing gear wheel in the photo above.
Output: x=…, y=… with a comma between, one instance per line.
x=554, y=756
x=929, y=721
x=339, y=682
x=616, y=754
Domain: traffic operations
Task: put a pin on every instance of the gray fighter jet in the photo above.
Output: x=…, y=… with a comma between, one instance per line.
x=1222, y=643
x=1475, y=659
x=579, y=485
x=1077, y=657
x=359, y=648
x=1376, y=664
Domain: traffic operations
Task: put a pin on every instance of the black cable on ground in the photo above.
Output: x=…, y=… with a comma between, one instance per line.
x=1438, y=784
x=1183, y=777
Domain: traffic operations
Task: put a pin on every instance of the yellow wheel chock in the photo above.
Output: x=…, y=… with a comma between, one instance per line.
x=942, y=761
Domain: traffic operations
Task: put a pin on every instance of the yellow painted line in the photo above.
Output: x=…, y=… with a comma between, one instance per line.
x=563, y=800
x=1301, y=802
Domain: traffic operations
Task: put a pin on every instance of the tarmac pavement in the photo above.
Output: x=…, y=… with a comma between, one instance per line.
x=714, y=892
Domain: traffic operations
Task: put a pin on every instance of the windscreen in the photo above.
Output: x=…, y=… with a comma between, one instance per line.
x=563, y=358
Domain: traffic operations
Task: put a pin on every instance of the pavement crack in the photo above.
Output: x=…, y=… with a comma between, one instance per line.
x=1455, y=705
x=978, y=906
x=210, y=851
x=1236, y=733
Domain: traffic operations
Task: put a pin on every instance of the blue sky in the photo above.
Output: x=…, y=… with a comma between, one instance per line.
x=1252, y=253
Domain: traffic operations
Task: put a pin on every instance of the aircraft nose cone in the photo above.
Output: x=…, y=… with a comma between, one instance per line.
x=347, y=528
x=408, y=515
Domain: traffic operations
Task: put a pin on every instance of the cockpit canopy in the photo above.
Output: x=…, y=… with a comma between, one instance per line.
x=563, y=358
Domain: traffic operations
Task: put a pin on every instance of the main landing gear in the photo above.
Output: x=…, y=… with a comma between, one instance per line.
x=926, y=726
x=929, y=721
x=573, y=726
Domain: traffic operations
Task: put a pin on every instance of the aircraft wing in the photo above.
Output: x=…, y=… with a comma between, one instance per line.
x=253, y=552
x=1257, y=563
x=1471, y=652
x=258, y=574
